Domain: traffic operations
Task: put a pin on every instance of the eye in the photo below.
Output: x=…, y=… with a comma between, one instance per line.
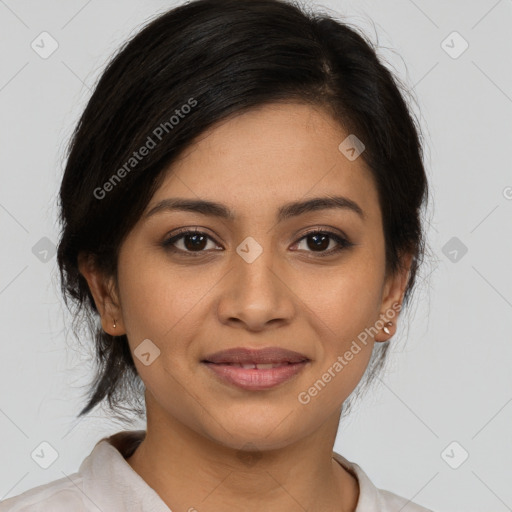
x=321, y=239
x=193, y=241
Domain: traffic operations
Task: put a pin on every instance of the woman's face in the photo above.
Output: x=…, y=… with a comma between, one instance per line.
x=256, y=280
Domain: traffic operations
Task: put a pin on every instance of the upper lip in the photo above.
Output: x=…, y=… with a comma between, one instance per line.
x=266, y=355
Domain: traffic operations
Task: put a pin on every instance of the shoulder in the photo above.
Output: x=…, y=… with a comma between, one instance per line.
x=372, y=498
x=391, y=502
x=104, y=481
x=61, y=495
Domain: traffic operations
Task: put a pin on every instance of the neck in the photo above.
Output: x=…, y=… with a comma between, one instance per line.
x=190, y=471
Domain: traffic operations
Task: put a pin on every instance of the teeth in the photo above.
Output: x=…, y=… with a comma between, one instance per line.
x=266, y=366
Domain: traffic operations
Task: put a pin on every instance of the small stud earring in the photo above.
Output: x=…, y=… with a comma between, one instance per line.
x=385, y=329
x=114, y=324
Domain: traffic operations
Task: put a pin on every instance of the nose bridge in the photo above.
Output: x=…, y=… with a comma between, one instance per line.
x=254, y=262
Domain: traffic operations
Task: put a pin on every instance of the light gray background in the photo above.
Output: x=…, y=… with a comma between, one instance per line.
x=450, y=380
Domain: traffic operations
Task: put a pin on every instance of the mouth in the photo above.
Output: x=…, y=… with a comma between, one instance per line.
x=256, y=369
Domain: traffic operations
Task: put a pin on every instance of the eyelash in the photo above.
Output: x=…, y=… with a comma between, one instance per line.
x=168, y=244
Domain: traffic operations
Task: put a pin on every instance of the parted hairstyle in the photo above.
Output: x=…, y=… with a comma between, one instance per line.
x=193, y=66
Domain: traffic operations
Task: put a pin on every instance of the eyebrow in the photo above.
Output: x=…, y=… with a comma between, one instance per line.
x=286, y=211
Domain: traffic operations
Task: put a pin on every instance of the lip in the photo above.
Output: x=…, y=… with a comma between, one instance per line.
x=267, y=355
x=227, y=366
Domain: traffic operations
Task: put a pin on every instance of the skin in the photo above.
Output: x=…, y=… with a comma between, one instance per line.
x=290, y=297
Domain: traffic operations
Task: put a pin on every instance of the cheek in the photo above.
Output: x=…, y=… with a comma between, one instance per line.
x=346, y=300
x=343, y=306
x=346, y=346
x=155, y=297
x=163, y=304
x=155, y=308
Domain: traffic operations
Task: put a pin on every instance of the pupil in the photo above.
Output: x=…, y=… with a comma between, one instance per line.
x=322, y=245
x=321, y=242
x=199, y=239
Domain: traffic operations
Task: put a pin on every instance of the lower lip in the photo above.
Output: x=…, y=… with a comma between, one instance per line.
x=254, y=379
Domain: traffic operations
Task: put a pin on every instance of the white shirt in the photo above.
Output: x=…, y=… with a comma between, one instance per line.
x=105, y=482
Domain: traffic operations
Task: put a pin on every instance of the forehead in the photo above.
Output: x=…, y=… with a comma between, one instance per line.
x=269, y=156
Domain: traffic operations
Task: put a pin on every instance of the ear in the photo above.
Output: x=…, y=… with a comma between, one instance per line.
x=104, y=293
x=392, y=297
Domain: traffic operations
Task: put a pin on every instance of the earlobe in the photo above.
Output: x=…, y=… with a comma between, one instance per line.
x=389, y=328
x=102, y=290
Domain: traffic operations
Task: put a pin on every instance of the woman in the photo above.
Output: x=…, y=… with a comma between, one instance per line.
x=241, y=210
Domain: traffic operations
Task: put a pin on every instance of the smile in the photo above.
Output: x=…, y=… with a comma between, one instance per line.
x=255, y=376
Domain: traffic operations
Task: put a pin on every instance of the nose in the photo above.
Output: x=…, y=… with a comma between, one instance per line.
x=255, y=295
